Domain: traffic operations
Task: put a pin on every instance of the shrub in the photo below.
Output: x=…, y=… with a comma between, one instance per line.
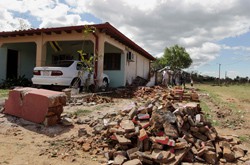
x=12, y=82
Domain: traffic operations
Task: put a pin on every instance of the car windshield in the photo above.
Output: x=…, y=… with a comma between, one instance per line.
x=64, y=63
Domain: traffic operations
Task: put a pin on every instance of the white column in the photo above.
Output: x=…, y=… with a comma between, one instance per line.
x=40, y=53
x=100, y=61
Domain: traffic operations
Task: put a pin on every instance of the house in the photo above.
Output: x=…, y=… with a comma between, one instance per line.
x=118, y=56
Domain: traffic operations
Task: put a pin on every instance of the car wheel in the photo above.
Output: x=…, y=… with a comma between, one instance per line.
x=105, y=84
x=76, y=83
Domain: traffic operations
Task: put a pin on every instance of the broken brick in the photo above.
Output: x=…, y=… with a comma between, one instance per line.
x=180, y=145
x=170, y=130
x=239, y=152
x=199, y=136
x=131, y=152
x=127, y=125
x=86, y=147
x=132, y=113
x=162, y=139
x=143, y=116
x=157, y=146
x=144, y=124
x=227, y=153
x=143, y=135
x=119, y=159
x=179, y=155
x=122, y=140
x=210, y=157
x=156, y=154
x=133, y=162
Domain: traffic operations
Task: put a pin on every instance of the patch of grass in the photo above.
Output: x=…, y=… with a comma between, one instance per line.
x=240, y=92
x=98, y=107
x=81, y=112
x=220, y=94
x=4, y=92
x=244, y=138
x=226, y=97
x=208, y=113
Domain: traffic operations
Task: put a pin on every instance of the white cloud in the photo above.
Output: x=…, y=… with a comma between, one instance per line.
x=51, y=13
x=153, y=24
x=206, y=52
x=9, y=23
x=193, y=24
x=242, y=48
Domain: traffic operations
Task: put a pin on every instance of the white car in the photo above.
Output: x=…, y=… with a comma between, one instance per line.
x=65, y=73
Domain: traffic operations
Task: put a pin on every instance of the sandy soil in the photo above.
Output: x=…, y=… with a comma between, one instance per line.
x=26, y=143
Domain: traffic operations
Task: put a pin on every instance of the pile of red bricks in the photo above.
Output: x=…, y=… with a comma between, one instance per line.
x=158, y=130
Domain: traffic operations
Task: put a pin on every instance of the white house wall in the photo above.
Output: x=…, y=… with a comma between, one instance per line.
x=131, y=72
x=140, y=67
x=26, y=58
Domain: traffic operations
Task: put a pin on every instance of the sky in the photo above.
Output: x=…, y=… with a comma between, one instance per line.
x=214, y=32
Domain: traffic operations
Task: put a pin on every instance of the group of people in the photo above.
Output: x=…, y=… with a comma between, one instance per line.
x=171, y=78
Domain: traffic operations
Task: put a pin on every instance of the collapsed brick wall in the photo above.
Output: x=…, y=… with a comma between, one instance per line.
x=159, y=129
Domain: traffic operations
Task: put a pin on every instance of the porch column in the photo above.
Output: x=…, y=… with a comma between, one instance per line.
x=100, y=61
x=40, y=53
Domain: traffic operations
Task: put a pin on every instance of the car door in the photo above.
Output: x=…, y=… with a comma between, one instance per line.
x=82, y=72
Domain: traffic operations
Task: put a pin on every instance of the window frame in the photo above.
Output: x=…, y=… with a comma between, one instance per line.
x=113, y=63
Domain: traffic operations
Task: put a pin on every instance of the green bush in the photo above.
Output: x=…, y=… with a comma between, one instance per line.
x=12, y=82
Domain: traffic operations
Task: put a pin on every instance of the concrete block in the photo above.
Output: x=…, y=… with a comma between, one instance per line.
x=34, y=104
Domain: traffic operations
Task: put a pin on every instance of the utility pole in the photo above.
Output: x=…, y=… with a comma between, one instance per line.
x=219, y=73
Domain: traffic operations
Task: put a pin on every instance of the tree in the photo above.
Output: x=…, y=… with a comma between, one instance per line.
x=176, y=57
x=157, y=64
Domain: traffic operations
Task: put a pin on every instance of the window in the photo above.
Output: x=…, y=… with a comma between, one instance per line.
x=60, y=57
x=112, y=61
x=63, y=63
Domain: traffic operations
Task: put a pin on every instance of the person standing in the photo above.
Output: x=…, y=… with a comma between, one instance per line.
x=178, y=78
x=191, y=82
x=165, y=77
x=183, y=79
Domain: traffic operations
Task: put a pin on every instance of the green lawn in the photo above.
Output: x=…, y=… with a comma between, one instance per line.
x=235, y=98
x=240, y=92
x=4, y=93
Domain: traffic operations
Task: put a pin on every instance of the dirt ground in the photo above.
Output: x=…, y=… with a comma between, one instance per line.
x=26, y=143
x=237, y=124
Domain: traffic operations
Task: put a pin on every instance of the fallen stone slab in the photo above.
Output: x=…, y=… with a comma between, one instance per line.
x=35, y=104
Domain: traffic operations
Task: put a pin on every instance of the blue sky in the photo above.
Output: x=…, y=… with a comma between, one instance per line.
x=234, y=61
x=212, y=31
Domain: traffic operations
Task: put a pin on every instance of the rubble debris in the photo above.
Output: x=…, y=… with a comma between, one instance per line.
x=36, y=105
x=89, y=100
x=139, y=81
x=160, y=129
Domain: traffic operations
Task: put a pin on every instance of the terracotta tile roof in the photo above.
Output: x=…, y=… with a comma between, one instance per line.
x=105, y=27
